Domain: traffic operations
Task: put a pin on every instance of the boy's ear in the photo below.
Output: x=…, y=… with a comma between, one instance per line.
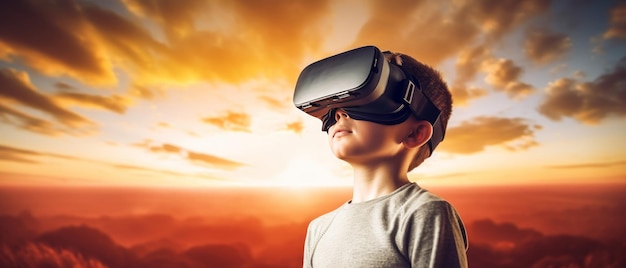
x=421, y=131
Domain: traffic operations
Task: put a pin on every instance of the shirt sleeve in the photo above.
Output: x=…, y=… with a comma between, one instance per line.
x=308, y=246
x=433, y=235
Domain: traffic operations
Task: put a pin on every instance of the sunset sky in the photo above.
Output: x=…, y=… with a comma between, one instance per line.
x=198, y=93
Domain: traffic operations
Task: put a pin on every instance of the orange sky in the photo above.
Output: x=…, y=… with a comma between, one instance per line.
x=198, y=93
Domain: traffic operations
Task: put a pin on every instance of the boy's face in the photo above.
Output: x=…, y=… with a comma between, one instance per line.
x=362, y=141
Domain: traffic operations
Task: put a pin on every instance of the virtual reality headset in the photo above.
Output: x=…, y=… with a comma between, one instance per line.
x=367, y=87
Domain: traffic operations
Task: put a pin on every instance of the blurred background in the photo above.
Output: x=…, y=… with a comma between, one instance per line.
x=155, y=133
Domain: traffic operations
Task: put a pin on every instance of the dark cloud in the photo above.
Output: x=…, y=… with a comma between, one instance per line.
x=617, y=27
x=64, y=86
x=543, y=46
x=176, y=18
x=450, y=26
x=24, y=121
x=230, y=121
x=587, y=102
x=17, y=87
x=53, y=38
x=498, y=18
x=405, y=33
x=88, y=42
x=475, y=135
x=124, y=40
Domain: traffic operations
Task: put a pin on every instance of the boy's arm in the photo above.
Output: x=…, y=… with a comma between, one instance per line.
x=435, y=236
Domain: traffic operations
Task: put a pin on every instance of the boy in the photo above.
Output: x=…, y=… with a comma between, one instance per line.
x=390, y=221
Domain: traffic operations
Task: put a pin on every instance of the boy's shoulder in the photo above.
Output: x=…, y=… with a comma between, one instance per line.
x=415, y=199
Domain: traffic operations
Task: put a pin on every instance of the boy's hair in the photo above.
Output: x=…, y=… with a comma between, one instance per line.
x=434, y=88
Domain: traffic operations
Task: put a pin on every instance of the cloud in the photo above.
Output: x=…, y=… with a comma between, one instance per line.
x=587, y=102
x=163, y=171
x=53, y=38
x=589, y=165
x=230, y=121
x=161, y=42
x=264, y=45
x=483, y=23
x=8, y=153
x=467, y=65
x=64, y=86
x=543, y=46
x=405, y=33
x=17, y=155
x=27, y=122
x=430, y=32
x=275, y=103
x=17, y=88
x=211, y=160
x=504, y=74
x=145, y=93
x=517, y=89
x=176, y=18
x=499, y=18
x=617, y=21
x=296, y=127
x=114, y=103
x=461, y=95
x=474, y=136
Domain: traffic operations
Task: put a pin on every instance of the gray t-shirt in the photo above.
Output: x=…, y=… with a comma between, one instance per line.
x=410, y=227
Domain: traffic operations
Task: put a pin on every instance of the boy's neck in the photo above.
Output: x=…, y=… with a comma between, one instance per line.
x=374, y=182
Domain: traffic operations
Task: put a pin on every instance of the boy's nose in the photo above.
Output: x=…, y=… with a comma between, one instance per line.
x=339, y=113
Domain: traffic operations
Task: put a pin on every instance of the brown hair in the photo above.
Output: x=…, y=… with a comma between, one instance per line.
x=433, y=86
